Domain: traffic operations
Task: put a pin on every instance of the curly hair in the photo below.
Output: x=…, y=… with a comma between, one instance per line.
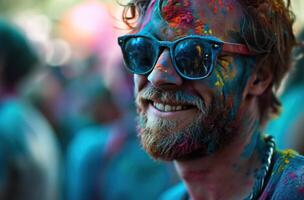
x=267, y=31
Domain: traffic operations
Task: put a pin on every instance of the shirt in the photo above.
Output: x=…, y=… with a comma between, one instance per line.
x=286, y=180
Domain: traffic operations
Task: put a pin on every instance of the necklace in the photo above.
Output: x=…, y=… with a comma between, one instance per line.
x=264, y=170
x=262, y=173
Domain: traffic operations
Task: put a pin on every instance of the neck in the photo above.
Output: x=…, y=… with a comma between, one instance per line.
x=227, y=174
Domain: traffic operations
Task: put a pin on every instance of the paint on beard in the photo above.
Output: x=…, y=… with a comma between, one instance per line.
x=212, y=129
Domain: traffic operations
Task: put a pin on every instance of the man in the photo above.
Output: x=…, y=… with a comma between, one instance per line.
x=204, y=77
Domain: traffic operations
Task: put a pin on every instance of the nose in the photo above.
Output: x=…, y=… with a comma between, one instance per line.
x=163, y=73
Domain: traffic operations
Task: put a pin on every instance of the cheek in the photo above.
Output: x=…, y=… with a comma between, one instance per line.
x=228, y=81
x=231, y=76
x=235, y=79
x=223, y=75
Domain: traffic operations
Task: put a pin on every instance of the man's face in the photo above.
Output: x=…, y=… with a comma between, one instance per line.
x=184, y=119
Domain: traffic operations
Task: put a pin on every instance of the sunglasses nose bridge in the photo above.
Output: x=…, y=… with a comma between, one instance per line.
x=163, y=73
x=164, y=45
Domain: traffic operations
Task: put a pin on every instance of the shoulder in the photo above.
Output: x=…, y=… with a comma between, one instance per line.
x=177, y=192
x=287, y=178
x=83, y=160
x=289, y=160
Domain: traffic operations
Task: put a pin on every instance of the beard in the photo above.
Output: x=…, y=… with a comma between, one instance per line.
x=209, y=132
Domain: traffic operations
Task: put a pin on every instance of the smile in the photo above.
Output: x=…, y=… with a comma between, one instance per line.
x=171, y=111
x=164, y=107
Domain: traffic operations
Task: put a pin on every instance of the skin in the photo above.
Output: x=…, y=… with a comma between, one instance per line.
x=223, y=106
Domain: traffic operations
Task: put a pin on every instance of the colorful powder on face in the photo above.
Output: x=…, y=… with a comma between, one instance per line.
x=225, y=62
x=220, y=82
x=202, y=28
x=230, y=73
x=179, y=15
x=223, y=6
x=225, y=71
x=206, y=30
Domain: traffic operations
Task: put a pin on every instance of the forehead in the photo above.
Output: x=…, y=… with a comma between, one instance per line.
x=170, y=19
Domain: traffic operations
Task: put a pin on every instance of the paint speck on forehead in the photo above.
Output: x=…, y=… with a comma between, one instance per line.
x=154, y=24
x=223, y=6
x=178, y=14
x=201, y=17
x=180, y=17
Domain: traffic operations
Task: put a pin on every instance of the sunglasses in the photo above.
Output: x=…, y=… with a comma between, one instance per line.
x=193, y=56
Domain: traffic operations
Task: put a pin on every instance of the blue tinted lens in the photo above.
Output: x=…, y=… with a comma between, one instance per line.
x=193, y=57
x=139, y=54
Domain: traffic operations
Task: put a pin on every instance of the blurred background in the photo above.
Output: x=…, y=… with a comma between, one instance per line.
x=67, y=118
x=68, y=123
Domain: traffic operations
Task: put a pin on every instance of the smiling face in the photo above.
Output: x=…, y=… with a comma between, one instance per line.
x=183, y=119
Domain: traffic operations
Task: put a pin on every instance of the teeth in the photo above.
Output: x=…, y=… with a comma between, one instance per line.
x=159, y=106
x=168, y=108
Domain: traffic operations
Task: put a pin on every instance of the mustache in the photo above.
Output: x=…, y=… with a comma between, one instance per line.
x=174, y=96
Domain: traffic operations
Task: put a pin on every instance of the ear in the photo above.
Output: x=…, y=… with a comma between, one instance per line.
x=258, y=83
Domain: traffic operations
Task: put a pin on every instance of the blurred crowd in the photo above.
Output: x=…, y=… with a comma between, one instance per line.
x=67, y=128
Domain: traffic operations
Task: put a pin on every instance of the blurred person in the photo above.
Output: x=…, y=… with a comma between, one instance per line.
x=105, y=161
x=29, y=158
x=88, y=29
x=65, y=97
x=46, y=93
x=288, y=128
x=205, y=73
